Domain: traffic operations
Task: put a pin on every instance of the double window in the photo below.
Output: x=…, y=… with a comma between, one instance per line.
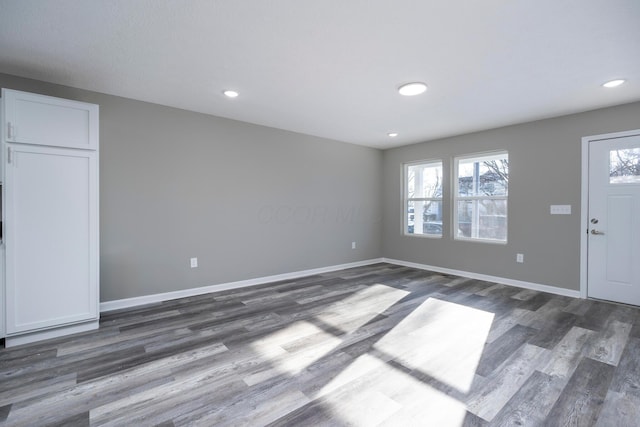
x=480, y=191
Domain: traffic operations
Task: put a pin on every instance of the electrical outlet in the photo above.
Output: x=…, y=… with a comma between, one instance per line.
x=353, y=245
x=194, y=262
x=520, y=258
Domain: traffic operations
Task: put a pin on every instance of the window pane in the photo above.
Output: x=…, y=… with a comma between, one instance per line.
x=424, y=217
x=465, y=218
x=411, y=216
x=482, y=219
x=483, y=176
x=411, y=182
x=624, y=166
x=424, y=180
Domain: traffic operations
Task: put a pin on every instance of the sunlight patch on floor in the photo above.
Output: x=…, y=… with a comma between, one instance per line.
x=373, y=299
x=334, y=321
x=441, y=339
x=373, y=392
x=292, y=363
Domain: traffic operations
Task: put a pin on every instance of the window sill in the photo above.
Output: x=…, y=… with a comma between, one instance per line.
x=492, y=242
x=423, y=236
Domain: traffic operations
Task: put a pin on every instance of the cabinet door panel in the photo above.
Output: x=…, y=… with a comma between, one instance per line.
x=51, y=237
x=44, y=120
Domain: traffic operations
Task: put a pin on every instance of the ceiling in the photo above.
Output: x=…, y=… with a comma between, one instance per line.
x=331, y=68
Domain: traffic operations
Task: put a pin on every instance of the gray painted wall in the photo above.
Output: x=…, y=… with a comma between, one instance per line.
x=545, y=169
x=251, y=201
x=248, y=201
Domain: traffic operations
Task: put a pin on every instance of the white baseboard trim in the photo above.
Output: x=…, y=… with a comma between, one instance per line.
x=511, y=282
x=166, y=296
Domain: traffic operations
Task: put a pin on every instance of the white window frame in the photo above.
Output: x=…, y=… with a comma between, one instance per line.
x=457, y=198
x=406, y=199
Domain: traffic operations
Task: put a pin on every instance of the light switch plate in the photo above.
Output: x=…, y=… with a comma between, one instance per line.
x=560, y=210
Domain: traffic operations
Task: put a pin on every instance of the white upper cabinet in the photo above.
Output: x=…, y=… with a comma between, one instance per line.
x=44, y=120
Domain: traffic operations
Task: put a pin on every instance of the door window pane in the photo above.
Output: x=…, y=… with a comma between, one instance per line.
x=624, y=166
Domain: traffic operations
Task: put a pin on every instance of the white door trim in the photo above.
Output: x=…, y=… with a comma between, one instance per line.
x=584, y=201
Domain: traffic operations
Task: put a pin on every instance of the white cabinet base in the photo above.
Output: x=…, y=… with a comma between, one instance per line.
x=12, y=341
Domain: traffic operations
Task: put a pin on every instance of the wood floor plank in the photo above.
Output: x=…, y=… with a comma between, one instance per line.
x=532, y=402
x=525, y=294
x=257, y=402
x=21, y=358
x=76, y=420
x=619, y=410
x=626, y=379
x=567, y=354
x=4, y=412
x=497, y=352
x=607, y=345
x=581, y=400
x=26, y=390
x=112, y=366
x=595, y=318
x=319, y=412
x=158, y=404
x=505, y=381
x=506, y=321
x=485, y=291
x=553, y=329
x=70, y=364
x=578, y=306
x=472, y=420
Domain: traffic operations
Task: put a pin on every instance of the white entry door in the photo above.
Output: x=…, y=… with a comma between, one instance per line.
x=614, y=220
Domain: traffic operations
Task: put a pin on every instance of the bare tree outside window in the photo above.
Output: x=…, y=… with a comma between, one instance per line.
x=624, y=166
x=481, y=198
x=423, y=198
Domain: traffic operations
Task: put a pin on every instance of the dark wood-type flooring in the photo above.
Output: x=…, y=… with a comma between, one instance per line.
x=377, y=345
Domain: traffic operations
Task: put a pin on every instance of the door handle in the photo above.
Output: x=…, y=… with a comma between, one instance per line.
x=597, y=233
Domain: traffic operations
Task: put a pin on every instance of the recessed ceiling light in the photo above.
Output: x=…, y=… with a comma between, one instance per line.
x=230, y=93
x=392, y=134
x=411, y=89
x=614, y=83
